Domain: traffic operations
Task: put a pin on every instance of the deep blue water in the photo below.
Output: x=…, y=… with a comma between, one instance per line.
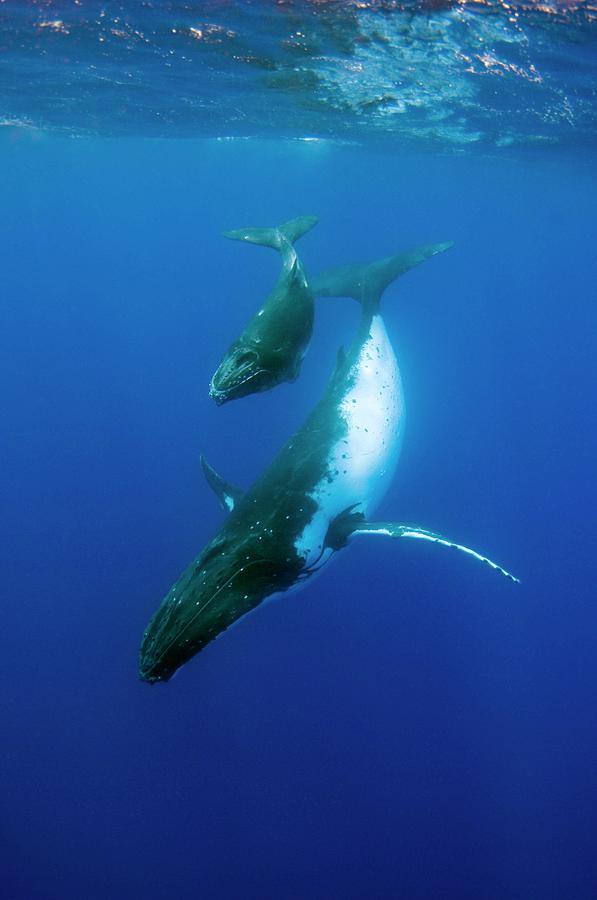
x=410, y=725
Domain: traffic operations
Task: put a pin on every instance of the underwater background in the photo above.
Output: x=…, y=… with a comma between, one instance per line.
x=409, y=725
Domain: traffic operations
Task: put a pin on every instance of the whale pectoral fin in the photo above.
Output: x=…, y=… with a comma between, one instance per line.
x=400, y=529
x=227, y=494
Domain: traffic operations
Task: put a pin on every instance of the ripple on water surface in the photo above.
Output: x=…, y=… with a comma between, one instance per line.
x=458, y=73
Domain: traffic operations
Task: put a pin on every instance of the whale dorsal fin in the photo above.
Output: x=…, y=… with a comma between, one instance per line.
x=401, y=529
x=227, y=494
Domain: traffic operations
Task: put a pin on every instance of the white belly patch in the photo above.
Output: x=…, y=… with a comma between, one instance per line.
x=361, y=465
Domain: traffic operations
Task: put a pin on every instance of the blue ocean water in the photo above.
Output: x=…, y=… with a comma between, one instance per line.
x=409, y=725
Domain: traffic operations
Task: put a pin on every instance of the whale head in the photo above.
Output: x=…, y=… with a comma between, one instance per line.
x=227, y=580
x=245, y=369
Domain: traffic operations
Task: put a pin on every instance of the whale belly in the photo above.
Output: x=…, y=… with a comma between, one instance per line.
x=362, y=462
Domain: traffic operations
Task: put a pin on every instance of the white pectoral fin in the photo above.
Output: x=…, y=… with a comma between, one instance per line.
x=399, y=530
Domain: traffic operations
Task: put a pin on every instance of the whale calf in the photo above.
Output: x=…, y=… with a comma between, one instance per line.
x=316, y=495
x=271, y=348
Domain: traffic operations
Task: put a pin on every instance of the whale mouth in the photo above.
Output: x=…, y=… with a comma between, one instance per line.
x=222, y=585
x=235, y=377
x=149, y=674
x=220, y=397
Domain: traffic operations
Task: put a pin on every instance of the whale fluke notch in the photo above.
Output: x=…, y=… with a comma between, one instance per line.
x=366, y=282
x=227, y=493
x=400, y=529
x=278, y=237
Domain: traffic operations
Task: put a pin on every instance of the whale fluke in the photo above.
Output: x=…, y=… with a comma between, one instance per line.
x=277, y=237
x=366, y=282
x=398, y=530
x=227, y=493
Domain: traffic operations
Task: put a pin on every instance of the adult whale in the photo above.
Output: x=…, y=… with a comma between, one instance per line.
x=271, y=348
x=315, y=495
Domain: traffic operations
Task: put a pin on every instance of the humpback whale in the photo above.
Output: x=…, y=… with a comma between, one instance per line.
x=271, y=348
x=316, y=495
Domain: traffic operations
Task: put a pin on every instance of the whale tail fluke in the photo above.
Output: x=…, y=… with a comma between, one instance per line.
x=367, y=282
x=278, y=237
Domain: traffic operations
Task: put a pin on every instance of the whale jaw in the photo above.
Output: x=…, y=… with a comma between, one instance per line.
x=242, y=371
x=229, y=579
x=219, y=397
